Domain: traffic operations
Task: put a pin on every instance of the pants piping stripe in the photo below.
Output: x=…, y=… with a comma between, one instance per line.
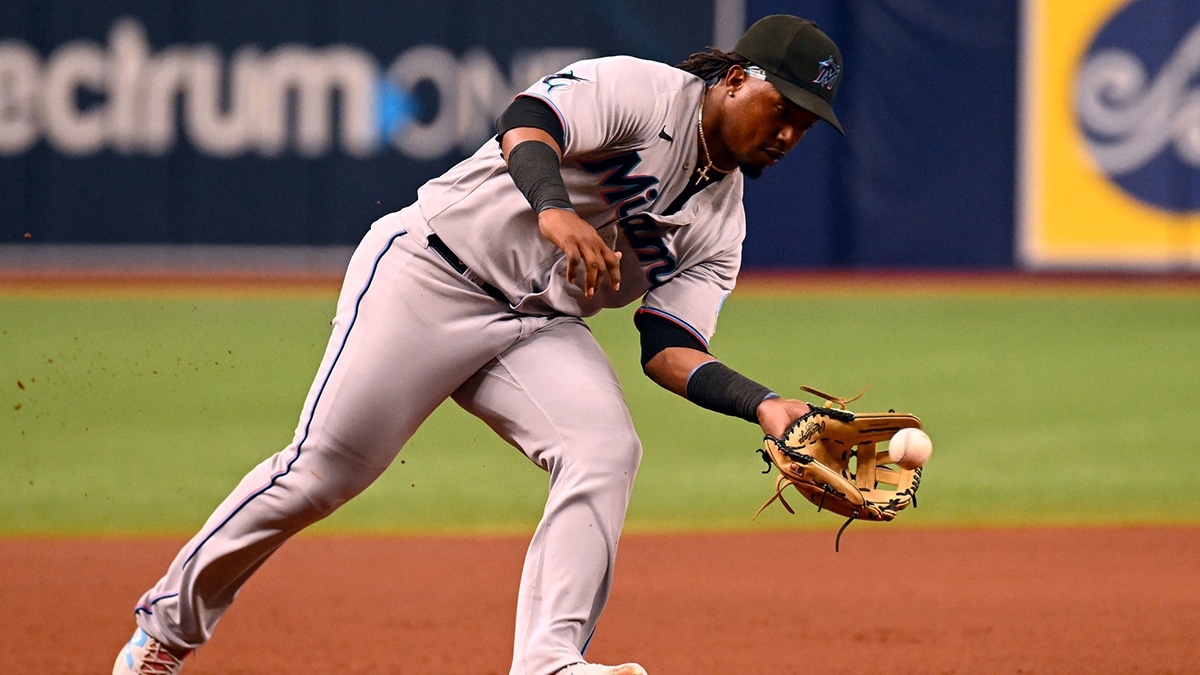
x=311, y=412
x=148, y=607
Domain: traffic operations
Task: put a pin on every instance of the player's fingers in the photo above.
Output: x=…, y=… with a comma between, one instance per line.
x=573, y=261
x=593, y=270
x=612, y=260
x=601, y=264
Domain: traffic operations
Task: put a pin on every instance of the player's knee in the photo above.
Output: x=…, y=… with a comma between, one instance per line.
x=317, y=485
x=629, y=453
x=613, y=459
x=329, y=492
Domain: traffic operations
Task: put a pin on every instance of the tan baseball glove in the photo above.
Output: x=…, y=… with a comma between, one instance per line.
x=832, y=457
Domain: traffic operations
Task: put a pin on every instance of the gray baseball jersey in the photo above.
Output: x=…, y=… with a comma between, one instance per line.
x=412, y=329
x=630, y=148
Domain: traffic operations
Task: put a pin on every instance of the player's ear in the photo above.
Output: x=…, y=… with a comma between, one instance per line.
x=735, y=76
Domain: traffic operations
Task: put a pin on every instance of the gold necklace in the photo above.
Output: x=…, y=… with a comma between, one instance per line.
x=702, y=174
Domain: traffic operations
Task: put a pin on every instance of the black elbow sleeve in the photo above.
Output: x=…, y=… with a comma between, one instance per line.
x=658, y=333
x=528, y=111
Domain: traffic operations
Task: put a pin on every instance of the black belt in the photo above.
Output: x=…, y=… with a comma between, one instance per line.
x=436, y=243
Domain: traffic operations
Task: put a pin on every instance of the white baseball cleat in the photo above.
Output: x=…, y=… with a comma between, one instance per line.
x=146, y=656
x=594, y=669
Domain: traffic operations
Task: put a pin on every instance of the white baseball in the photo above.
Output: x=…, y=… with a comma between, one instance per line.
x=910, y=448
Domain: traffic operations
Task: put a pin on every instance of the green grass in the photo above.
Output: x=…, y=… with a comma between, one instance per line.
x=138, y=413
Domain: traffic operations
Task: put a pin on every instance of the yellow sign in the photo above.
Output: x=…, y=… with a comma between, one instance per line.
x=1110, y=143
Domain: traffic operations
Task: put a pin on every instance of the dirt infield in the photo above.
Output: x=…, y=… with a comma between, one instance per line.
x=1095, y=600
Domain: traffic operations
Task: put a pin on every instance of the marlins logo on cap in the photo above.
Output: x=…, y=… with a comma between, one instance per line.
x=829, y=73
x=798, y=59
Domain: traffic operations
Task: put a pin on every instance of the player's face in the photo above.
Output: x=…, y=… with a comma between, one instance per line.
x=763, y=126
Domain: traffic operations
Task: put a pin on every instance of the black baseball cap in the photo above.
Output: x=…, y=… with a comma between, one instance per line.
x=798, y=59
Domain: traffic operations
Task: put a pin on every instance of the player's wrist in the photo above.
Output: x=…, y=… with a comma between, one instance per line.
x=776, y=414
x=717, y=387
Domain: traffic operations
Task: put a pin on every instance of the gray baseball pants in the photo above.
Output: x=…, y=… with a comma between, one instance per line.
x=410, y=332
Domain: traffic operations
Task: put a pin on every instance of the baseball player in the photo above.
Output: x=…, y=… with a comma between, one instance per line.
x=612, y=181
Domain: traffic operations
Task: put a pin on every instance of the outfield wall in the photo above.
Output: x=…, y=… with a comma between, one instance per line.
x=273, y=123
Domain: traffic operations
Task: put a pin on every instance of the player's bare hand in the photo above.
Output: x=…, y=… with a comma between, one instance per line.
x=776, y=414
x=584, y=249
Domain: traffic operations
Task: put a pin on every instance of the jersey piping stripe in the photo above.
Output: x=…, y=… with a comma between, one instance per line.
x=677, y=321
x=311, y=412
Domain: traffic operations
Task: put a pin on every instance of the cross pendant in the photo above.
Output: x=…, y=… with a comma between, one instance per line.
x=702, y=175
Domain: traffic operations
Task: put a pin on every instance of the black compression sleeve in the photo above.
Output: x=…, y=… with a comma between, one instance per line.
x=527, y=111
x=718, y=387
x=534, y=168
x=658, y=333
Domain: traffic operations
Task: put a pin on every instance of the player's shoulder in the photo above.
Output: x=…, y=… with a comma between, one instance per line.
x=638, y=70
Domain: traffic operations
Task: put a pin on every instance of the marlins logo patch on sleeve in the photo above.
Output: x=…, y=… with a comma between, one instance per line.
x=560, y=81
